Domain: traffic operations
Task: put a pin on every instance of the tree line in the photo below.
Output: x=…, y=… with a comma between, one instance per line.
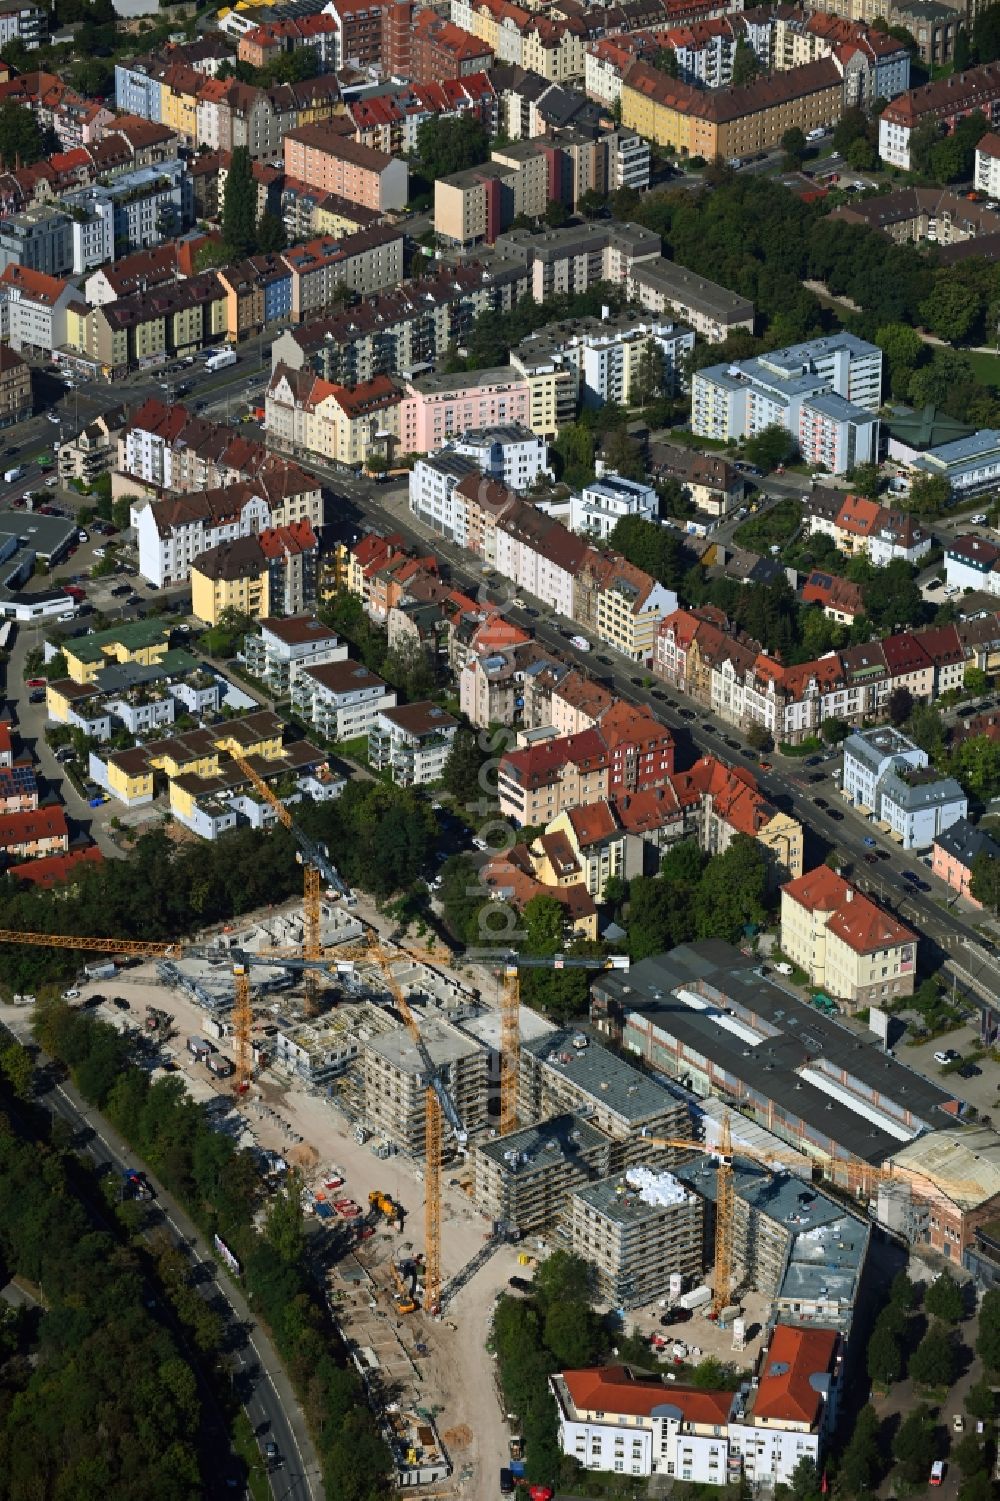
x=96, y=1395
x=220, y=1188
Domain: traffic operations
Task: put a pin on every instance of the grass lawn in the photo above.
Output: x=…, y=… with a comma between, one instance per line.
x=687, y=439
x=777, y=526
x=352, y=750
x=986, y=368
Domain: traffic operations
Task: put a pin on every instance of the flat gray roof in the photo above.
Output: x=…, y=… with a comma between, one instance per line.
x=616, y=1083
x=617, y=1201
x=828, y=1243
x=707, y=296
x=794, y=1045
x=444, y=1043
x=560, y=1139
x=45, y=535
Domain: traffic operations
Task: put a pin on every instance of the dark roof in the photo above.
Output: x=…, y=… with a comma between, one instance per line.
x=773, y=1069
x=963, y=842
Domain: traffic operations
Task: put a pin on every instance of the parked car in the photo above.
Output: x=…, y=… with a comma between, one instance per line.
x=969, y=1071
x=37, y=682
x=835, y=814
x=871, y=859
x=946, y=1055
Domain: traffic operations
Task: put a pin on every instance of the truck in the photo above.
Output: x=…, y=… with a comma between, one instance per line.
x=580, y=642
x=136, y=1185
x=696, y=1298
x=220, y=360
x=11, y=475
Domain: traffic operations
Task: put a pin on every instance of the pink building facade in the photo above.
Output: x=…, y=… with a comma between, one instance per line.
x=438, y=407
x=955, y=852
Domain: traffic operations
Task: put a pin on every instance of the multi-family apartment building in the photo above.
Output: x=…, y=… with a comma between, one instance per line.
x=282, y=649
x=412, y=742
x=436, y=408
x=15, y=387
x=33, y=309
x=344, y=425
x=341, y=699
x=571, y=260
x=943, y=104
x=175, y=531
x=393, y=332
x=733, y=122
x=321, y=156
x=845, y=942
x=272, y=573
x=888, y=776
x=607, y=358
x=791, y=388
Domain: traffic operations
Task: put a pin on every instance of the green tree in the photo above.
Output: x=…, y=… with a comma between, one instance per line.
x=900, y=705
x=960, y=60
x=927, y=729
x=861, y=154
x=835, y=731
x=902, y=348
x=284, y=1227
x=592, y=203
x=885, y=1359
x=573, y=455
x=988, y=1340
x=913, y=1445
x=952, y=310
x=271, y=235
x=462, y=768
x=922, y=143
x=556, y=214
x=933, y=1361
x=976, y=1487
x=572, y=1333
x=239, y=211
x=665, y=61
x=804, y=1481
x=969, y=1454
x=771, y=447
x=650, y=547
x=977, y=764
x=451, y=144
x=793, y=143
x=985, y=880
x=902, y=1293
x=18, y=1069
x=892, y=599
x=564, y=1277
x=860, y=1463
x=981, y=1401
x=745, y=64
x=866, y=480
x=20, y=136
x=731, y=892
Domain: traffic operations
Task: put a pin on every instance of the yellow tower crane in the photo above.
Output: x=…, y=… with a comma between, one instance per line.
x=438, y=1104
x=317, y=868
x=510, y=1028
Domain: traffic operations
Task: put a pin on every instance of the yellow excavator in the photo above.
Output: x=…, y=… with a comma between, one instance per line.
x=405, y=1299
x=384, y=1205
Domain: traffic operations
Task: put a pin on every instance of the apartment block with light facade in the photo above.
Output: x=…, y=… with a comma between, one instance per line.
x=323, y=157
x=271, y=574
x=438, y=407
x=845, y=942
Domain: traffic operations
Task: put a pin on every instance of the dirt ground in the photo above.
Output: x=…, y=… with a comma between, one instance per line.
x=456, y=1378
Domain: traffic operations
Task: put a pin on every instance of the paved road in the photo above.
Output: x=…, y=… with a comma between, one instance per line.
x=271, y=1406
x=363, y=503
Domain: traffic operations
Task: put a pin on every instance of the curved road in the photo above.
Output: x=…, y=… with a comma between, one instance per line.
x=271, y=1405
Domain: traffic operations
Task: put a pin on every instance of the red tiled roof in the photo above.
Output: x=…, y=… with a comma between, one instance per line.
x=819, y=890
x=855, y=920
x=53, y=870
x=38, y=823
x=613, y=1389
x=795, y=1357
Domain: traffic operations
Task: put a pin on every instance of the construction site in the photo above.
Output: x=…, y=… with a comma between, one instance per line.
x=446, y=1139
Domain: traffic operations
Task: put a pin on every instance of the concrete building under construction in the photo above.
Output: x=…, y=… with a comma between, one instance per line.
x=394, y=1092
x=638, y=1229
x=791, y=1242
x=526, y=1177
x=570, y=1071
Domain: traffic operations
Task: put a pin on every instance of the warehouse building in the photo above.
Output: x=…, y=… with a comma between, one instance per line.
x=637, y=1229
x=526, y=1177
x=571, y=1072
x=708, y=1017
x=944, y=1187
x=394, y=1087
x=791, y=1242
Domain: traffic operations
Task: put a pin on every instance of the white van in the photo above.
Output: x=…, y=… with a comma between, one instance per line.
x=817, y=134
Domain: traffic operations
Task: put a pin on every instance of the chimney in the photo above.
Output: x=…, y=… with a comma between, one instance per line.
x=850, y=893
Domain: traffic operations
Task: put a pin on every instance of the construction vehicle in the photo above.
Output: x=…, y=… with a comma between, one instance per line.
x=317, y=869
x=405, y=1300
x=381, y=1204
x=510, y=1030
